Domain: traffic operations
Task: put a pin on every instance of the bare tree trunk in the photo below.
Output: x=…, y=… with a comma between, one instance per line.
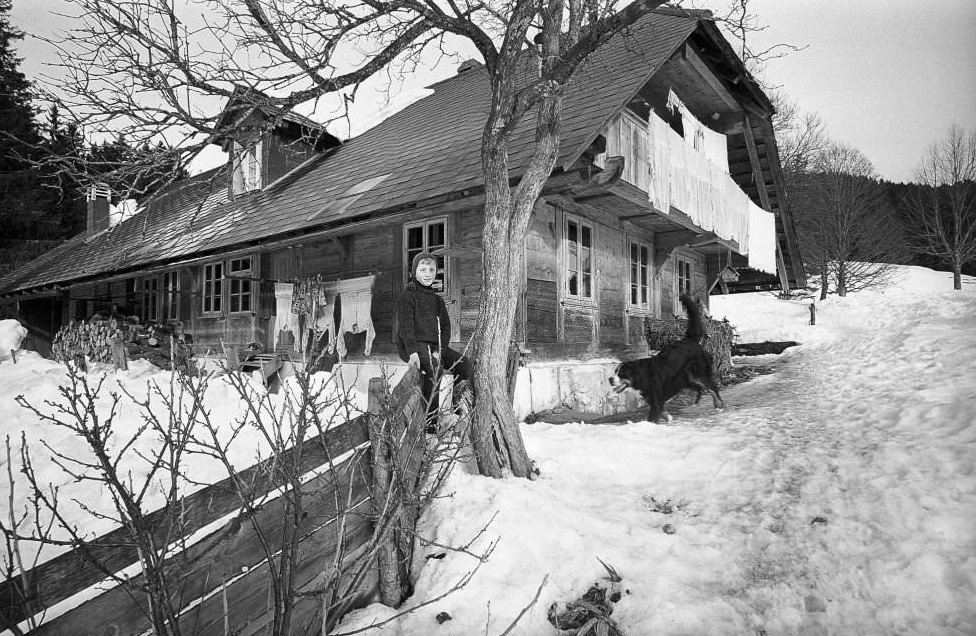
x=956, y=275
x=496, y=439
x=495, y=435
x=824, y=281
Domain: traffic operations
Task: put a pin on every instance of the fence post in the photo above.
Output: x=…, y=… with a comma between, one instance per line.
x=396, y=432
x=386, y=556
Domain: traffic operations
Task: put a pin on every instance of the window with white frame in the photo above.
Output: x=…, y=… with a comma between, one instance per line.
x=240, y=288
x=150, y=298
x=247, y=171
x=640, y=275
x=213, y=283
x=682, y=275
x=578, y=258
x=427, y=236
x=171, y=296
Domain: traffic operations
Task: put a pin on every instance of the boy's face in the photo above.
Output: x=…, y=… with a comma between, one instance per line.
x=426, y=272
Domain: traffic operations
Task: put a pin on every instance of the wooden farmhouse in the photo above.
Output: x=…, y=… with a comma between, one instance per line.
x=668, y=180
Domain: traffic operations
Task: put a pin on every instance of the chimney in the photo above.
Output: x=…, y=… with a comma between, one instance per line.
x=98, y=199
x=468, y=65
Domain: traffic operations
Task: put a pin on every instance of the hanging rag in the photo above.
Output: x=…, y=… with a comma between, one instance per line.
x=301, y=302
x=285, y=319
x=357, y=300
x=324, y=320
x=762, y=239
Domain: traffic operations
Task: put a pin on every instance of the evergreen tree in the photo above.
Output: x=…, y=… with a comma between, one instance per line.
x=19, y=212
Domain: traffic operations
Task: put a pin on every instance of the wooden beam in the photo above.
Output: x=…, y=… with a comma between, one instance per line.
x=785, y=213
x=757, y=172
x=760, y=178
x=666, y=242
x=710, y=78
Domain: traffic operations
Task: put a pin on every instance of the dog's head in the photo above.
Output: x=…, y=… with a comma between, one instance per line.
x=622, y=378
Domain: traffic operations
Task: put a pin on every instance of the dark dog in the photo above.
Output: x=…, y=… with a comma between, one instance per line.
x=682, y=365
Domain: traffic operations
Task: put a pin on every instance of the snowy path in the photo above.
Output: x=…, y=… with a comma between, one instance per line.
x=860, y=497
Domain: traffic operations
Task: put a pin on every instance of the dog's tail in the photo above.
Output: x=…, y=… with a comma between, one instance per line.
x=696, y=325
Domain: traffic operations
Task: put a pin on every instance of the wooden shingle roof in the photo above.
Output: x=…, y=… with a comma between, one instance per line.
x=428, y=149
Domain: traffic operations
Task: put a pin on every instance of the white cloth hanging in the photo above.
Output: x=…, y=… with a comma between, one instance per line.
x=716, y=147
x=284, y=319
x=762, y=239
x=324, y=321
x=659, y=138
x=356, y=303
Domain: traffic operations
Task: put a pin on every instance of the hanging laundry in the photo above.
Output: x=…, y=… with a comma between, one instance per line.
x=356, y=299
x=659, y=133
x=713, y=145
x=716, y=148
x=762, y=239
x=302, y=300
x=324, y=319
x=286, y=321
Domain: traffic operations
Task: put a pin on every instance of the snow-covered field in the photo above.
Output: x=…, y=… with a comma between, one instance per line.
x=38, y=382
x=834, y=496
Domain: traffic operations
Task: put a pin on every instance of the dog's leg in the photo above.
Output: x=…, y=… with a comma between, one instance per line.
x=699, y=387
x=712, y=387
x=656, y=409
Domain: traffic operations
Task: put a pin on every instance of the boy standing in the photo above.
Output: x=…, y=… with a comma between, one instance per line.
x=425, y=331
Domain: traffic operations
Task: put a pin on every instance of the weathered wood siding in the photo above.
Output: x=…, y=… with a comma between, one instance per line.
x=668, y=283
x=282, y=156
x=542, y=283
x=612, y=265
x=464, y=288
x=554, y=322
x=209, y=330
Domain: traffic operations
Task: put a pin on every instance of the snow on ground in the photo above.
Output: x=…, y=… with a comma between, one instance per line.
x=38, y=381
x=834, y=496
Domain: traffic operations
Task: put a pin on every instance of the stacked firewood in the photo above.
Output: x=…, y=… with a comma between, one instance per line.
x=94, y=341
x=718, y=345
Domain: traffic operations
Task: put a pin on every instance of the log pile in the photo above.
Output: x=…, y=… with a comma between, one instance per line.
x=116, y=342
x=92, y=341
x=718, y=345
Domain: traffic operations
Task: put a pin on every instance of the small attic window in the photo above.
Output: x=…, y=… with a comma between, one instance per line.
x=247, y=166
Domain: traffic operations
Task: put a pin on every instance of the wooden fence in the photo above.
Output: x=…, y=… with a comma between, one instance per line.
x=222, y=579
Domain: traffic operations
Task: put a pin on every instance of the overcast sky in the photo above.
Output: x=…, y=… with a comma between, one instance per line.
x=887, y=76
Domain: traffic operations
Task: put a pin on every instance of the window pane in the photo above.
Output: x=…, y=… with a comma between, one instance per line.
x=435, y=236
x=587, y=285
x=415, y=239
x=586, y=237
x=573, y=284
x=235, y=302
x=572, y=233
x=585, y=265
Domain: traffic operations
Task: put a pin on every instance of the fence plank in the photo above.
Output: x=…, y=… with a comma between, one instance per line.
x=205, y=566
x=67, y=574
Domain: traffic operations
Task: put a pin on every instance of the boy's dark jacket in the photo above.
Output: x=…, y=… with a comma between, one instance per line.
x=423, y=321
